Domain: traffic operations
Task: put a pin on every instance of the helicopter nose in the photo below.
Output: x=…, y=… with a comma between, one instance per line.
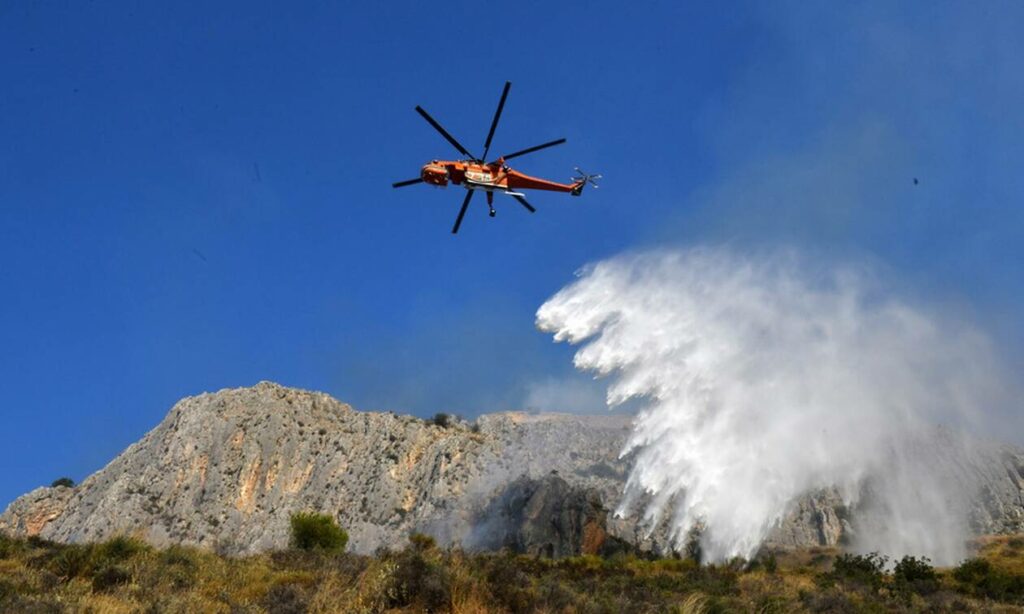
x=434, y=175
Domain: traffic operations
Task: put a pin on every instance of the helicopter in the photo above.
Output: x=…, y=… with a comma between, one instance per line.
x=475, y=174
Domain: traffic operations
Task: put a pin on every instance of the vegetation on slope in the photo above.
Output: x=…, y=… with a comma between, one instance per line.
x=126, y=575
x=312, y=531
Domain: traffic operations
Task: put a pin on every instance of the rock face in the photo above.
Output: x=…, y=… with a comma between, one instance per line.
x=226, y=470
x=999, y=505
x=31, y=513
x=545, y=517
x=819, y=518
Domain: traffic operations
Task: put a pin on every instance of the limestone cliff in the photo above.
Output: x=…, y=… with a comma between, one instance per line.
x=226, y=470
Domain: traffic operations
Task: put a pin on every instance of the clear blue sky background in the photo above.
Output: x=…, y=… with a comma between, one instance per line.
x=196, y=196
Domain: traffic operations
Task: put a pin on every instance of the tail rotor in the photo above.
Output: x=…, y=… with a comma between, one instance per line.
x=581, y=179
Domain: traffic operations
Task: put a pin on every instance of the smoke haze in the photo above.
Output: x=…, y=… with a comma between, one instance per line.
x=764, y=376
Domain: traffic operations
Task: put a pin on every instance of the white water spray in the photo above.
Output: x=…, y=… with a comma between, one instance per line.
x=763, y=378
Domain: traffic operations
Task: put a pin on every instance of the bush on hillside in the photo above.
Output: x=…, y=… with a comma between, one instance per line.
x=286, y=599
x=65, y=481
x=9, y=546
x=864, y=569
x=109, y=577
x=312, y=531
x=915, y=575
x=422, y=541
x=119, y=549
x=72, y=561
x=980, y=578
x=421, y=579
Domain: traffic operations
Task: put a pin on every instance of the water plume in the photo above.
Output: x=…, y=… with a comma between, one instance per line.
x=763, y=377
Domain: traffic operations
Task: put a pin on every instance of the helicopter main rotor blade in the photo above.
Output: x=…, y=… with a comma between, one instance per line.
x=497, y=115
x=444, y=132
x=522, y=201
x=523, y=152
x=462, y=211
x=402, y=184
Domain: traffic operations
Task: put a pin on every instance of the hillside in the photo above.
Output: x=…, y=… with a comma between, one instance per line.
x=125, y=575
x=225, y=471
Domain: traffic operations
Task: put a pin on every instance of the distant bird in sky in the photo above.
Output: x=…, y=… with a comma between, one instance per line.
x=915, y=181
x=200, y=254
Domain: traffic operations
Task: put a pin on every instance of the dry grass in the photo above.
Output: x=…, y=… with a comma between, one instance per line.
x=1003, y=551
x=127, y=576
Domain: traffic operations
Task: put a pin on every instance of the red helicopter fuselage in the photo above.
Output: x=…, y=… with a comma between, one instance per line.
x=490, y=177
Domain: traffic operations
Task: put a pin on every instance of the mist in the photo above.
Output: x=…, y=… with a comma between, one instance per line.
x=762, y=376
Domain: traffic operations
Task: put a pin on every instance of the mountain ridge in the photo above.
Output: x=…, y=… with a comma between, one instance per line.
x=225, y=470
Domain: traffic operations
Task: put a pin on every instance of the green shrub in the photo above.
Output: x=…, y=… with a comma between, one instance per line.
x=915, y=575
x=181, y=556
x=119, y=549
x=32, y=604
x=312, y=531
x=179, y=566
x=554, y=596
x=828, y=600
x=72, y=561
x=772, y=604
x=9, y=547
x=422, y=541
x=443, y=420
x=509, y=586
x=980, y=578
x=286, y=599
x=65, y=481
x=714, y=580
x=109, y=577
x=422, y=581
x=866, y=569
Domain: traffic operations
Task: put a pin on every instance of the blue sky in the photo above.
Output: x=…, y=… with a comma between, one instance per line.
x=195, y=197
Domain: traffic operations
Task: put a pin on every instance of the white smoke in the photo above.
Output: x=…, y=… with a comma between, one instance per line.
x=763, y=378
x=564, y=395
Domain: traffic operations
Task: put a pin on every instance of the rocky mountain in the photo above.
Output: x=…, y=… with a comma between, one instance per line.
x=226, y=470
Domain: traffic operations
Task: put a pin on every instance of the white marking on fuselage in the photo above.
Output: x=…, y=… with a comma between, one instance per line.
x=476, y=185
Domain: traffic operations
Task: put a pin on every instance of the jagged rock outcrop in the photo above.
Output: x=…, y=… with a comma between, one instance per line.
x=545, y=517
x=819, y=518
x=226, y=470
x=31, y=513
